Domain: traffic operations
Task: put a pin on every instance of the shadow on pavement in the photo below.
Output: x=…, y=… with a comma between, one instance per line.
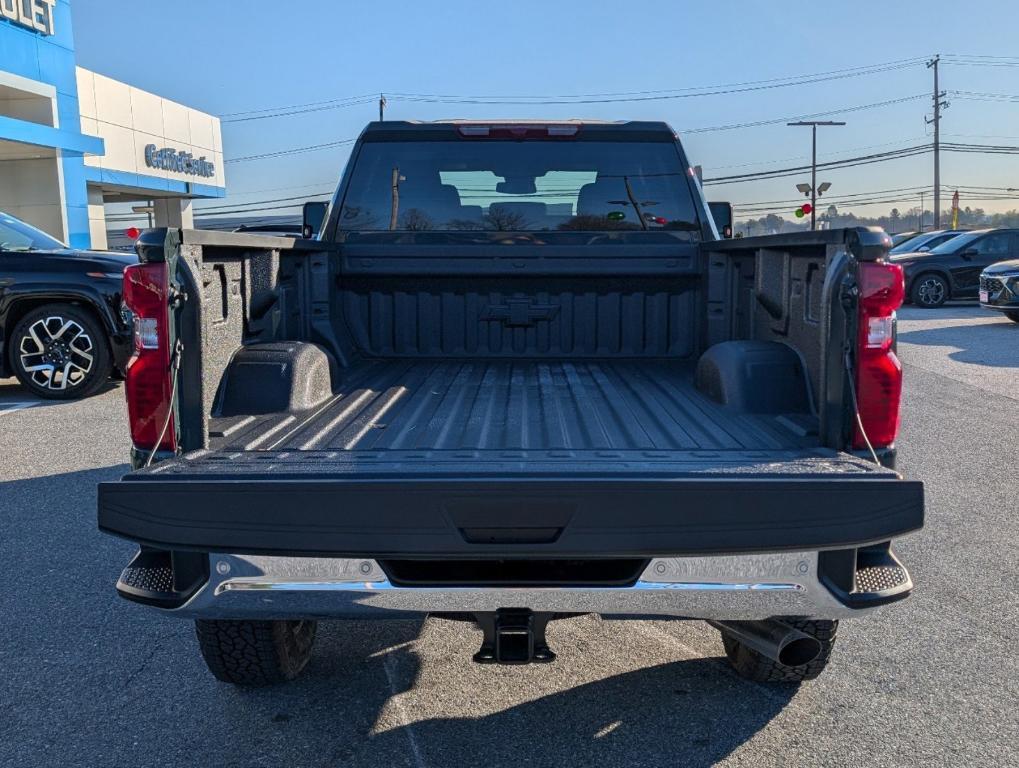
x=12, y=391
x=996, y=345
x=690, y=712
x=950, y=311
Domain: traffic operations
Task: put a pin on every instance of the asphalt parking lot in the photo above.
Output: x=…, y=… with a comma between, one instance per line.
x=89, y=679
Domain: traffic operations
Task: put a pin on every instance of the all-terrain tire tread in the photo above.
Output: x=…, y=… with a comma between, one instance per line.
x=255, y=653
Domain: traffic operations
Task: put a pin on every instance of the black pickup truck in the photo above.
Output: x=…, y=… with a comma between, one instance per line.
x=515, y=375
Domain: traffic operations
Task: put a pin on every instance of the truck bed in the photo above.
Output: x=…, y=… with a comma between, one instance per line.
x=511, y=458
x=597, y=416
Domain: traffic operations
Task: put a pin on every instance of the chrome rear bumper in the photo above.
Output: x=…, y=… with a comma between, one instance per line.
x=718, y=587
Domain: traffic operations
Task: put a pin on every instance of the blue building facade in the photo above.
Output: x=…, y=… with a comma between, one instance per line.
x=65, y=153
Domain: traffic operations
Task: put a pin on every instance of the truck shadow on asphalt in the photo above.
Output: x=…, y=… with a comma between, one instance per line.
x=995, y=345
x=691, y=712
x=85, y=662
x=950, y=311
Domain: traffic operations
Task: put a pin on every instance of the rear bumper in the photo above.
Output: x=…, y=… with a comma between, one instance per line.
x=722, y=587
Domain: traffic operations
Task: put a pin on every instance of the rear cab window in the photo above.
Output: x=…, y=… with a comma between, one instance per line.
x=558, y=190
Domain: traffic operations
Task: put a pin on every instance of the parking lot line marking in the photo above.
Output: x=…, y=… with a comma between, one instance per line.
x=402, y=713
x=6, y=408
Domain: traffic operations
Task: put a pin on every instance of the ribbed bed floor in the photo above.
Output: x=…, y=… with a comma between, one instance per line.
x=518, y=405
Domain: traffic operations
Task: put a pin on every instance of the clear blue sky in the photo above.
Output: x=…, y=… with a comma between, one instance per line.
x=224, y=56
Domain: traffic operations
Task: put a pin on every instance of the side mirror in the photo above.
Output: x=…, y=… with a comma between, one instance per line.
x=313, y=216
x=722, y=214
x=969, y=253
x=922, y=249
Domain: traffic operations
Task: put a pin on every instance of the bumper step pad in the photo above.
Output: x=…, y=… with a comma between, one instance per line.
x=163, y=579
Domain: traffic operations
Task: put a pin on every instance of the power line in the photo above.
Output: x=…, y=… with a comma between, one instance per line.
x=834, y=197
x=979, y=96
x=848, y=162
x=664, y=95
x=262, y=202
x=827, y=113
x=292, y=151
x=877, y=197
x=827, y=154
x=582, y=98
x=295, y=106
x=304, y=111
x=772, y=121
x=976, y=60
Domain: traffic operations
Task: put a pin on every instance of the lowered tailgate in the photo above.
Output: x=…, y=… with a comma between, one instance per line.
x=432, y=505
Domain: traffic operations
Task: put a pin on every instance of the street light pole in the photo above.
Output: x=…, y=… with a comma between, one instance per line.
x=813, y=163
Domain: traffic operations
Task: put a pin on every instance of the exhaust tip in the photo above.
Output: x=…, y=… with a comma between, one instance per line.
x=799, y=651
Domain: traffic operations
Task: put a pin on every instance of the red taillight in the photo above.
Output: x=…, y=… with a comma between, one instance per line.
x=878, y=371
x=148, y=381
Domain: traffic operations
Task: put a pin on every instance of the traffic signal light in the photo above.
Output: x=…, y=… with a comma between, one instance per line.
x=803, y=210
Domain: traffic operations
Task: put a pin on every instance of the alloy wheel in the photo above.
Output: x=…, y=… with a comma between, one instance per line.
x=931, y=291
x=56, y=352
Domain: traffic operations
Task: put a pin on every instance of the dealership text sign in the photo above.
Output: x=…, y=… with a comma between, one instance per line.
x=169, y=159
x=34, y=14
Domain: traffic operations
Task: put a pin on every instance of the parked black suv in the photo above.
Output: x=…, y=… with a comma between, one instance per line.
x=62, y=332
x=952, y=270
x=999, y=288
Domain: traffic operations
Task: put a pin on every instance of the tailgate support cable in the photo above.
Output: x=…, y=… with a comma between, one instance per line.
x=849, y=294
x=174, y=368
x=856, y=409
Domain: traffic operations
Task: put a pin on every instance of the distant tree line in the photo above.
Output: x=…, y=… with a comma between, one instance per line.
x=892, y=222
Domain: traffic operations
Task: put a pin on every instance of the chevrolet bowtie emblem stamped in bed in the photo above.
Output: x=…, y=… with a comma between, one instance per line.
x=522, y=312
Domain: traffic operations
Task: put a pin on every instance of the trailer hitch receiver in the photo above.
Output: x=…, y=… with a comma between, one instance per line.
x=513, y=636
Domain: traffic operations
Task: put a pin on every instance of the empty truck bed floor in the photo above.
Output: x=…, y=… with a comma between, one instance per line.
x=538, y=417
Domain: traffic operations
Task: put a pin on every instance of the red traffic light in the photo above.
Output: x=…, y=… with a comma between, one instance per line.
x=132, y=232
x=807, y=208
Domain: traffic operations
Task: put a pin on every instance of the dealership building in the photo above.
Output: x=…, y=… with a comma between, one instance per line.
x=72, y=140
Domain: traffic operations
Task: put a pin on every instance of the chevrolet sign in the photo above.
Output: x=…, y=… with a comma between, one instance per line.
x=169, y=159
x=36, y=15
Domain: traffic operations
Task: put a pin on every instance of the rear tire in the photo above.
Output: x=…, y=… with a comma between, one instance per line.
x=255, y=653
x=1013, y=315
x=753, y=666
x=929, y=291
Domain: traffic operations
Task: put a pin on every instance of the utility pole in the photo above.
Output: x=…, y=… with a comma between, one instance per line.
x=813, y=163
x=382, y=107
x=936, y=120
x=920, y=222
